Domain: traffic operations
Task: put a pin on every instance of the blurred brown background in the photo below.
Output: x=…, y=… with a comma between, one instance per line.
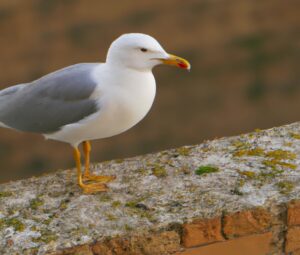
x=245, y=69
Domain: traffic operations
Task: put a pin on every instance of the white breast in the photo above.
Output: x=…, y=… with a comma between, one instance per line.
x=124, y=99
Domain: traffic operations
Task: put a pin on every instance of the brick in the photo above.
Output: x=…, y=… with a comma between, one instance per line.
x=247, y=222
x=296, y=252
x=151, y=244
x=293, y=213
x=292, y=239
x=202, y=232
x=115, y=246
x=249, y=245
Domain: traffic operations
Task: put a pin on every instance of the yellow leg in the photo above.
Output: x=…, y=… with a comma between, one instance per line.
x=87, y=149
x=87, y=188
x=87, y=174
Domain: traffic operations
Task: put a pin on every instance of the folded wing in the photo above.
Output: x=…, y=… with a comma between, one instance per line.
x=47, y=104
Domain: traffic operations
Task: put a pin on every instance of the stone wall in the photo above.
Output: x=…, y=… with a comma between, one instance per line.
x=230, y=195
x=256, y=231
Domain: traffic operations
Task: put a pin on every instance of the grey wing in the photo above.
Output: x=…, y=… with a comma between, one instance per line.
x=47, y=104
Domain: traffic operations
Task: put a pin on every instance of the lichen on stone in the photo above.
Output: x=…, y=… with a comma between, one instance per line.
x=295, y=135
x=116, y=204
x=183, y=151
x=12, y=222
x=159, y=171
x=119, y=161
x=285, y=187
x=249, y=152
x=46, y=236
x=248, y=174
x=206, y=170
x=5, y=194
x=35, y=203
x=280, y=154
x=274, y=163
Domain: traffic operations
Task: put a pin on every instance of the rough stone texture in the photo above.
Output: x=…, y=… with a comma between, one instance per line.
x=292, y=239
x=247, y=222
x=202, y=232
x=249, y=245
x=293, y=213
x=155, y=193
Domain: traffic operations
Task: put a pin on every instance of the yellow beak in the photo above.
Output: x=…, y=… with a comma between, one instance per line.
x=177, y=61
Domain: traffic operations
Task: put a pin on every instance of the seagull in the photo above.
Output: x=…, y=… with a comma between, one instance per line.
x=89, y=101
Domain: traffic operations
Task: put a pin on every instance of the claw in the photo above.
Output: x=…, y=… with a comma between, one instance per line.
x=99, y=178
x=87, y=175
x=94, y=188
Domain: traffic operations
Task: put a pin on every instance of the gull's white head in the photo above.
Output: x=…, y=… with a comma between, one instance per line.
x=141, y=52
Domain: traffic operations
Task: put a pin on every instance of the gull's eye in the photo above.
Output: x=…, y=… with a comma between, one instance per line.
x=144, y=50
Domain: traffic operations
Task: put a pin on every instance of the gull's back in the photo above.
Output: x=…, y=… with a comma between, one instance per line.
x=49, y=103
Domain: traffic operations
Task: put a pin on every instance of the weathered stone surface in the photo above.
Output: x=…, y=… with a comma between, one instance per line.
x=247, y=222
x=292, y=239
x=293, y=213
x=202, y=232
x=50, y=213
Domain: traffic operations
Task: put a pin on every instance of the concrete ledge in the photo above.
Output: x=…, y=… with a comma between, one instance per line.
x=165, y=202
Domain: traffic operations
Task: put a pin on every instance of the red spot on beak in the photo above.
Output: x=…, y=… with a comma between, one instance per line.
x=182, y=65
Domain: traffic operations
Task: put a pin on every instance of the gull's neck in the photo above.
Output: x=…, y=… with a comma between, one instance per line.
x=120, y=68
x=118, y=73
